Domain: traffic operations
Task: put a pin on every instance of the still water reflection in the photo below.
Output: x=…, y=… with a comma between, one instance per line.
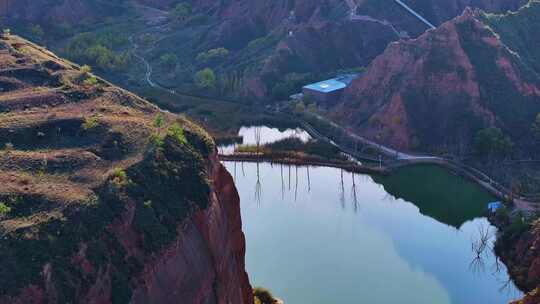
x=320, y=235
x=266, y=135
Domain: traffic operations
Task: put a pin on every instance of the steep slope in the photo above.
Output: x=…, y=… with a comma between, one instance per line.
x=435, y=92
x=106, y=199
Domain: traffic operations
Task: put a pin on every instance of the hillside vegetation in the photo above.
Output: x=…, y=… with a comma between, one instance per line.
x=76, y=154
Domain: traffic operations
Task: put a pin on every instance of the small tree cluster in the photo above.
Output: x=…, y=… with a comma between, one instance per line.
x=213, y=55
x=90, y=123
x=205, y=79
x=119, y=178
x=177, y=132
x=182, y=11
x=4, y=209
x=169, y=60
x=493, y=142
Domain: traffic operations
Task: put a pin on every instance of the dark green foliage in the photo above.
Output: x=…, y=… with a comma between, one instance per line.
x=169, y=60
x=492, y=141
x=182, y=11
x=312, y=147
x=205, y=79
x=98, y=50
x=213, y=56
x=174, y=180
x=37, y=31
x=263, y=296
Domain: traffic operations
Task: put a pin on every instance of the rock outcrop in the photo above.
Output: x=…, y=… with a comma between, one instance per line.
x=106, y=199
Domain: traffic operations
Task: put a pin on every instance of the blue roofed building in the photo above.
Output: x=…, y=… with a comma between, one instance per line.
x=494, y=206
x=328, y=91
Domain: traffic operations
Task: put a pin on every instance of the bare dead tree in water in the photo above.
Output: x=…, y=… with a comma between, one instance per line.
x=353, y=194
x=243, y=172
x=257, y=131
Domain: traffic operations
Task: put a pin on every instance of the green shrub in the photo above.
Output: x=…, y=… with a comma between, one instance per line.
x=159, y=121
x=212, y=55
x=205, y=79
x=90, y=81
x=168, y=60
x=177, y=132
x=264, y=296
x=157, y=141
x=4, y=209
x=182, y=11
x=90, y=123
x=119, y=178
x=37, y=31
x=86, y=69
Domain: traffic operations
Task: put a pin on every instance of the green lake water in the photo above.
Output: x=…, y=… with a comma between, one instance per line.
x=320, y=235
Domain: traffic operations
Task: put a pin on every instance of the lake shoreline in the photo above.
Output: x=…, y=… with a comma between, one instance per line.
x=303, y=162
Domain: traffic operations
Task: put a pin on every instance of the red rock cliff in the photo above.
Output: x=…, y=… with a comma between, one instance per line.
x=206, y=263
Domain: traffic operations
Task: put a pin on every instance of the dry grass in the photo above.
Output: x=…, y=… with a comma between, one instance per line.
x=46, y=150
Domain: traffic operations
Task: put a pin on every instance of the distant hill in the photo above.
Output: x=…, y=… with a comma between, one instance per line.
x=273, y=47
x=434, y=93
x=469, y=89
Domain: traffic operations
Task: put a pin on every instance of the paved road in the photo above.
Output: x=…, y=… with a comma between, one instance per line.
x=415, y=14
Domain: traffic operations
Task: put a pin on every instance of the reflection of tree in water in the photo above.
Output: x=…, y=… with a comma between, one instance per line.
x=308, y=179
x=506, y=285
x=282, y=184
x=296, y=184
x=353, y=194
x=342, y=191
x=289, y=177
x=480, y=247
x=258, y=186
